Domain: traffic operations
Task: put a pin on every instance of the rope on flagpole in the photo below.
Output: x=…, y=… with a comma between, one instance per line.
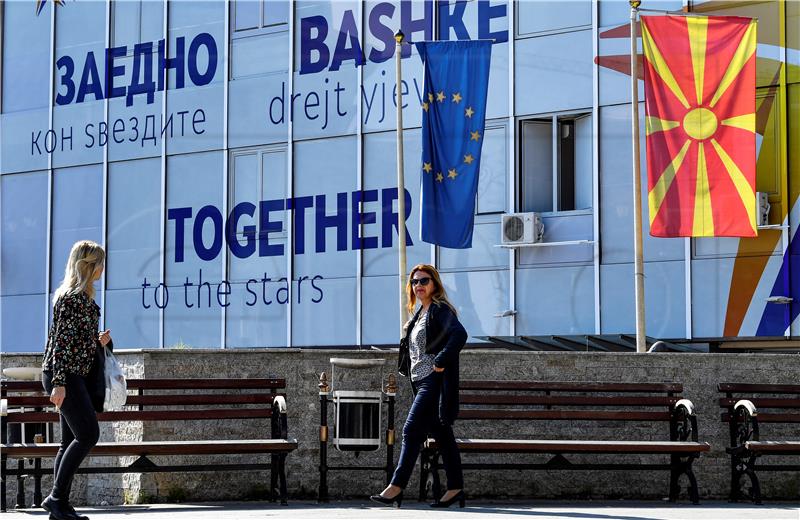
x=638, y=273
x=401, y=185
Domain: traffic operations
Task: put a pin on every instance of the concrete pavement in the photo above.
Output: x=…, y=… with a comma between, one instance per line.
x=358, y=510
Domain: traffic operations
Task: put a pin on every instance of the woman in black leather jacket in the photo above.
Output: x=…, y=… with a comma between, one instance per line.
x=429, y=357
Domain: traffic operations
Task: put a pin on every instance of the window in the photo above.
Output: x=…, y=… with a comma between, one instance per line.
x=272, y=15
x=556, y=163
x=255, y=176
x=259, y=37
x=137, y=21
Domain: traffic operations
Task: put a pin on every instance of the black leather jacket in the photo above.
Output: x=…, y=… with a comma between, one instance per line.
x=444, y=339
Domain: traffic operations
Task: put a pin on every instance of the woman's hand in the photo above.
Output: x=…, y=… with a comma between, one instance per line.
x=437, y=369
x=104, y=337
x=57, y=395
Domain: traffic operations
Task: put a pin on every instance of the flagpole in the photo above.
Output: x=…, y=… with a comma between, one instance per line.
x=401, y=185
x=638, y=273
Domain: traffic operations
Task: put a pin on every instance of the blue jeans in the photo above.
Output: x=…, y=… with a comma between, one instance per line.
x=423, y=418
x=79, y=431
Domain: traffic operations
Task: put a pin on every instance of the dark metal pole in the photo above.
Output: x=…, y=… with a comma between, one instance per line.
x=324, y=390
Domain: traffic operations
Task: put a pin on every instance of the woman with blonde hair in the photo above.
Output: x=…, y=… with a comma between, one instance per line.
x=69, y=360
x=429, y=357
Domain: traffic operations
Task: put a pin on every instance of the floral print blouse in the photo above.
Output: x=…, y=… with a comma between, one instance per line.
x=72, y=341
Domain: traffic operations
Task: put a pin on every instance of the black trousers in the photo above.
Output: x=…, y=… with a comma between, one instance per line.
x=423, y=418
x=79, y=431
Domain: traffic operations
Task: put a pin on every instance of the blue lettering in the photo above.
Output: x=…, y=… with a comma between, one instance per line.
x=90, y=80
x=361, y=218
x=249, y=232
x=338, y=220
x=202, y=39
x=142, y=53
x=382, y=32
x=176, y=63
x=316, y=43
x=347, y=30
x=179, y=215
x=66, y=80
x=113, y=72
x=409, y=26
x=454, y=20
x=205, y=213
x=267, y=226
x=486, y=13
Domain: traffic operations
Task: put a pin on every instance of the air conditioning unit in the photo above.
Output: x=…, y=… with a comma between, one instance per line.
x=521, y=228
x=762, y=211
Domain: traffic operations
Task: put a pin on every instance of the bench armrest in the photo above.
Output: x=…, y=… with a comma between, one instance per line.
x=280, y=428
x=748, y=407
x=684, y=421
x=3, y=407
x=280, y=403
x=744, y=423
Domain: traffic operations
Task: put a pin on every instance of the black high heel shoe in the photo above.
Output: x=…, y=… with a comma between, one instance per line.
x=458, y=497
x=395, y=501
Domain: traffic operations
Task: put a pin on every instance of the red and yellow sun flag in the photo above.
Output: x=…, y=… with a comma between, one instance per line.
x=700, y=93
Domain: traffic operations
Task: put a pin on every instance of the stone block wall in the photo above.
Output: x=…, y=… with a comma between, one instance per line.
x=699, y=373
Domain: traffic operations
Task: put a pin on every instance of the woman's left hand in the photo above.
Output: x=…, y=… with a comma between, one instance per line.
x=437, y=369
x=104, y=337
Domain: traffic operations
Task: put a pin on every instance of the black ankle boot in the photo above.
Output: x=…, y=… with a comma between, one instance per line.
x=57, y=508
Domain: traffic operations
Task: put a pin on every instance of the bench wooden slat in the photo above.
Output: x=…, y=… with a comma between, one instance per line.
x=562, y=400
x=567, y=446
x=154, y=415
x=781, y=447
x=193, y=384
x=770, y=417
x=750, y=388
x=160, y=400
x=763, y=402
x=589, y=415
x=165, y=384
x=214, y=447
x=570, y=386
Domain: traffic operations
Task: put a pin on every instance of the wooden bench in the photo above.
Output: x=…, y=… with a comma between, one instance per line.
x=158, y=400
x=584, y=403
x=746, y=408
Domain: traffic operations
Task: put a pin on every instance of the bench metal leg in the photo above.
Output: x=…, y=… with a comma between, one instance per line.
x=37, y=482
x=436, y=484
x=282, y=476
x=678, y=467
x=3, y=477
x=424, y=473
x=20, y=484
x=740, y=467
x=273, y=476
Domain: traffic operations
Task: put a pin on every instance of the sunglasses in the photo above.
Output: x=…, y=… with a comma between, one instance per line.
x=421, y=281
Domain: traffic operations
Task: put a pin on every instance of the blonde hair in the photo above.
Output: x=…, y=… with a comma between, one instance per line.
x=84, y=259
x=439, y=295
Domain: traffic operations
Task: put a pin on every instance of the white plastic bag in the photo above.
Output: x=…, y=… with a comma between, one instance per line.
x=116, y=387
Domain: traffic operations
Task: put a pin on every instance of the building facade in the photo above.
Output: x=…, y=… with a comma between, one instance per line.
x=237, y=160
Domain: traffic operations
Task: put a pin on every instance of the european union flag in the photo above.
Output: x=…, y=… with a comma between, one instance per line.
x=454, y=111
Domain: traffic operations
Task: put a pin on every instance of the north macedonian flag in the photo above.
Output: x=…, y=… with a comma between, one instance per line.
x=700, y=93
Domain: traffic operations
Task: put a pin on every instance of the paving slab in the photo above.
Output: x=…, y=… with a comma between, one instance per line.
x=358, y=510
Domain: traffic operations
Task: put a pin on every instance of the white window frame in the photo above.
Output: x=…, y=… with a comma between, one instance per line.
x=556, y=163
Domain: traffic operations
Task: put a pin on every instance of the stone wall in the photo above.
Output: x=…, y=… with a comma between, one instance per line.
x=699, y=373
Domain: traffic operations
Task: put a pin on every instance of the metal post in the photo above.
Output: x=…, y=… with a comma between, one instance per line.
x=390, y=390
x=638, y=273
x=324, y=390
x=401, y=185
